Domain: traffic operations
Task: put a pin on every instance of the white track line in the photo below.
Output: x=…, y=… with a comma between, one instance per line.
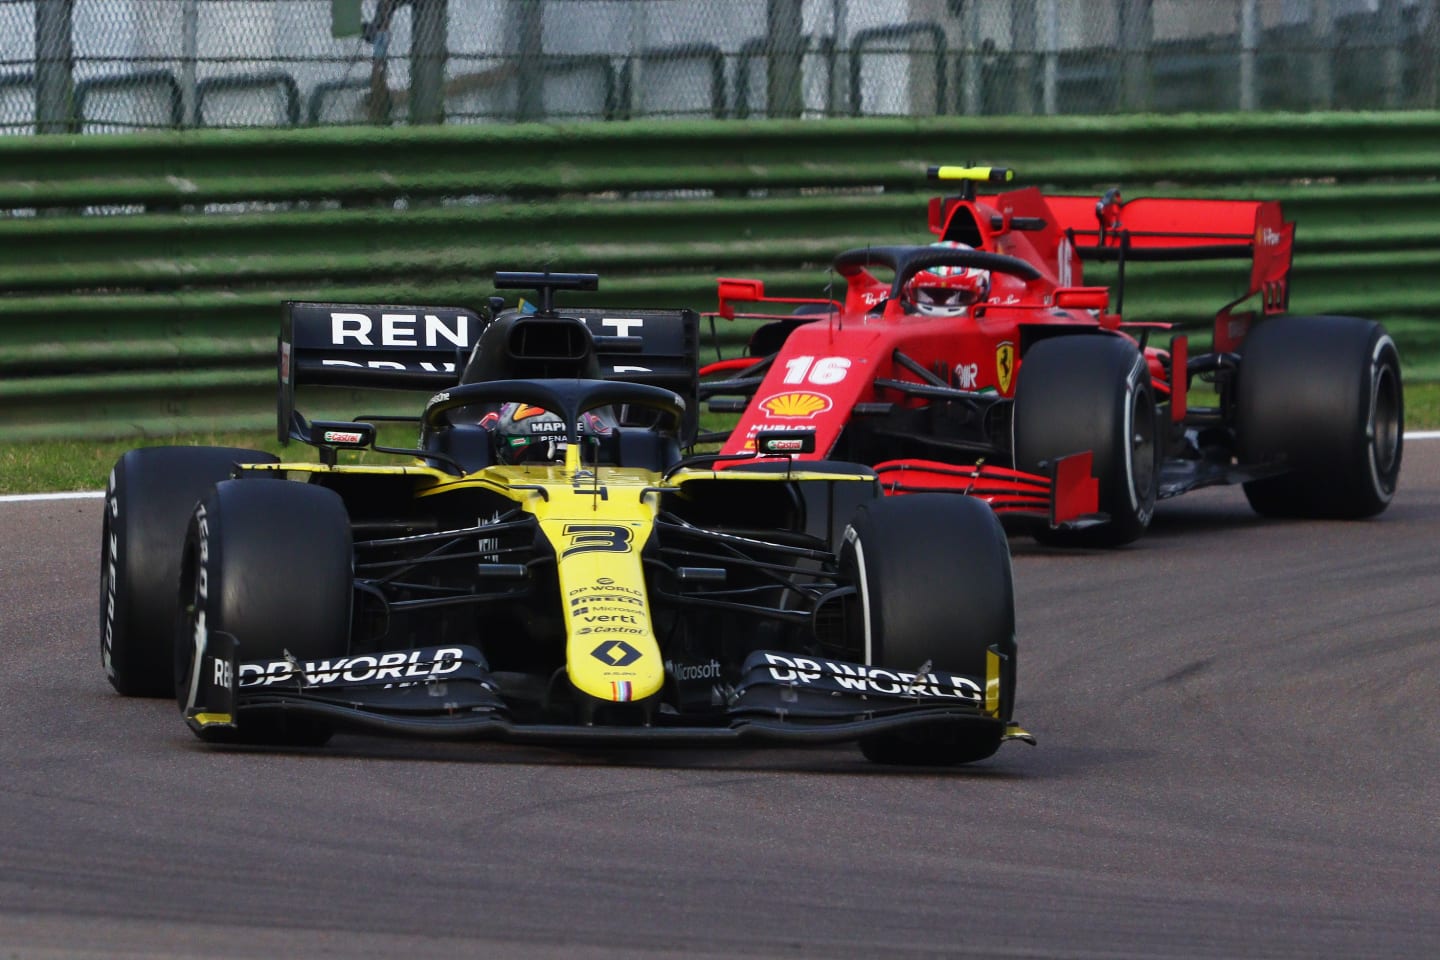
x=76, y=495
x=97, y=494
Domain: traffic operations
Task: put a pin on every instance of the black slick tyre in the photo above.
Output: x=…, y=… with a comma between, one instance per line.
x=1322, y=396
x=268, y=562
x=933, y=578
x=148, y=501
x=1092, y=392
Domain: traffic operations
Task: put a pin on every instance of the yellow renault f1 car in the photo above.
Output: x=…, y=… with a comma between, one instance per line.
x=548, y=564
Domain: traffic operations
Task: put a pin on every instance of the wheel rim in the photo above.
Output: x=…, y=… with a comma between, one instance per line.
x=1140, y=456
x=191, y=611
x=1383, y=426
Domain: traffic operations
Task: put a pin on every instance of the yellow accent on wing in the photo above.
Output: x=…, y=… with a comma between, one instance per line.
x=214, y=719
x=992, y=682
x=1013, y=731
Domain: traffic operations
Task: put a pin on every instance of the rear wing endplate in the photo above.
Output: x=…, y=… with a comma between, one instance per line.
x=1183, y=229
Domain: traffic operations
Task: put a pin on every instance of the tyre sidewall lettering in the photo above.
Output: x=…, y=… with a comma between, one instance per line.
x=199, y=629
x=108, y=573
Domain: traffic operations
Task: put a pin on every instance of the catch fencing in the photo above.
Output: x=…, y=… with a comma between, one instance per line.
x=106, y=66
x=143, y=273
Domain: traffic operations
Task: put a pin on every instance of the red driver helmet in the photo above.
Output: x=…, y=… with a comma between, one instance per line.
x=946, y=291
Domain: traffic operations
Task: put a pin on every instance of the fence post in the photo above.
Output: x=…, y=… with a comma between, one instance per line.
x=1022, y=51
x=971, y=62
x=1249, y=40
x=1322, y=63
x=1426, y=87
x=427, y=61
x=54, y=66
x=1050, y=72
x=1137, y=28
x=189, y=56
x=530, y=51
x=784, y=27
x=1392, y=58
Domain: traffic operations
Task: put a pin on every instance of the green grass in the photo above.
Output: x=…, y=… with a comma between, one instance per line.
x=85, y=464
x=1422, y=406
x=64, y=465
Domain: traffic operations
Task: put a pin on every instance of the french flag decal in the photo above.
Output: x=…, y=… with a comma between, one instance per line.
x=620, y=690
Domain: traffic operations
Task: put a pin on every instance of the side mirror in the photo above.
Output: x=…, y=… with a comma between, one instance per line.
x=339, y=433
x=1083, y=298
x=738, y=290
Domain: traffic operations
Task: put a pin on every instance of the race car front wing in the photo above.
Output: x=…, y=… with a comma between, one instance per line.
x=449, y=693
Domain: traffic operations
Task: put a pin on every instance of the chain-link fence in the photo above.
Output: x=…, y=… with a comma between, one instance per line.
x=111, y=65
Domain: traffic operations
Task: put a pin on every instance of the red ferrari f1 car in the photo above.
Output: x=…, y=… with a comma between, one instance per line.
x=982, y=364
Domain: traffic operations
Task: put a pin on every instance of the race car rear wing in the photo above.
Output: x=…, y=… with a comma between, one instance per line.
x=1112, y=230
x=1149, y=229
x=425, y=348
x=1154, y=229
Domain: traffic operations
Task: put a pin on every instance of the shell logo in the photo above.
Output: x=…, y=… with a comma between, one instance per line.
x=802, y=404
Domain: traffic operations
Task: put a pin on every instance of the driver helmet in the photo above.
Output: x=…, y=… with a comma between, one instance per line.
x=525, y=433
x=946, y=291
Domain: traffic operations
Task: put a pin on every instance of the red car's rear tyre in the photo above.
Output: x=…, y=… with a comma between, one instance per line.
x=150, y=496
x=933, y=576
x=1323, y=395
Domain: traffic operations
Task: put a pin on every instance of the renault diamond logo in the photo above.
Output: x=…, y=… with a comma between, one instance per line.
x=615, y=653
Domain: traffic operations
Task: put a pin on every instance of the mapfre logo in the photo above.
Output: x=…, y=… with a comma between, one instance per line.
x=802, y=404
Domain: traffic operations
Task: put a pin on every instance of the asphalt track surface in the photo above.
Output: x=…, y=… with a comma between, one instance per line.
x=1239, y=757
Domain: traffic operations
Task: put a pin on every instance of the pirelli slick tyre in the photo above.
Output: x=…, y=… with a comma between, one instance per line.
x=1088, y=392
x=148, y=501
x=934, y=585
x=1322, y=395
x=268, y=562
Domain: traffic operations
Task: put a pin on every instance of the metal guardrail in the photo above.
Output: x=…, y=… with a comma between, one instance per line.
x=162, y=316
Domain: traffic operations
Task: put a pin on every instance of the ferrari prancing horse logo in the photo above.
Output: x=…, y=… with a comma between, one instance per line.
x=1004, y=364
